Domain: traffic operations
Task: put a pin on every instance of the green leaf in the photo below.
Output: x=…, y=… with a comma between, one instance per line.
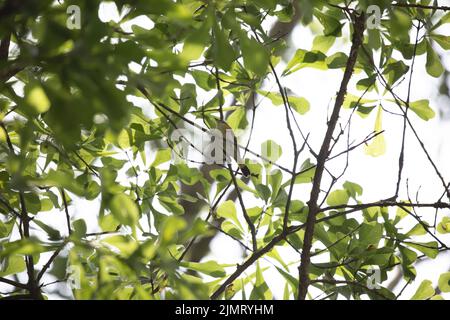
x=125, y=244
x=395, y=70
x=27, y=246
x=6, y=228
x=204, y=79
x=64, y=180
x=223, y=52
x=290, y=280
x=37, y=99
x=261, y=290
x=124, y=209
x=445, y=19
x=227, y=210
x=408, y=256
x=430, y=249
x=352, y=101
x=194, y=45
x=210, y=268
x=303, y=59
x=308, y=170
x=366, y=83
x=422, y=109
x=188, y=95
x=238, y=119
x=370, y=234
x=3, y=137
x=92, y=190
x=254, y=54
x=286, y=293
x=263, y=192
x=424, y=292
x=299, y=104
x=338, y=197
x=172, y=225
x=171, y=204
x=443, y=41
x=52, y=233
x=337, y=60
x=12, y=265
x=323, y=43
x=434, y=66
x=220, y=175
x=353, y=189
x=275, y=179
x=108, y=222
x=230, y=292
x=378, y=145
x=231, y=229
x=417, y=230
x=444, y=282
x=401, y=213
x=254, y=213
x=162, y=156
x=332, y=26
x=444, y=226
x=79, y=228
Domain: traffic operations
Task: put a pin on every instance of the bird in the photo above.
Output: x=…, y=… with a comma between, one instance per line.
x=230, y=143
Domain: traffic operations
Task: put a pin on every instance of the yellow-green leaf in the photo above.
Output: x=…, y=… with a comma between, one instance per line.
x=303, y=59
x=444, y=282
x=444, y=226
x=124, y=209
x=422, y=109
x=378, y=145
x=261, y=290
x=227, y=210
x=37, y=99
x=299, y=104
x=424, y=291
x=337, y=197
x=162, y=156
x=434, y=66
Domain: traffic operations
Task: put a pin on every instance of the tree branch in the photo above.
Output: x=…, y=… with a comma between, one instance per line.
x=421, y=6
x=13, y=283
x=50, y=261
x=66, y=210
x=359, y=21
x=250, y=224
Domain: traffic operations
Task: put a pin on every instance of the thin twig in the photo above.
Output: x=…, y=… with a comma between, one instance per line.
x=250, y=224
x=66, y=210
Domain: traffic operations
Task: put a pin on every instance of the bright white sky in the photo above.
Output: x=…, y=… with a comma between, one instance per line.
x=377, y=176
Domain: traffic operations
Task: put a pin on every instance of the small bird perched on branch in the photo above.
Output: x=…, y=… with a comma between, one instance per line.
x=231, y=147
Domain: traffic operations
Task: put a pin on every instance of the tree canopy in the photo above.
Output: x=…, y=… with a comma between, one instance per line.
x=98, y=193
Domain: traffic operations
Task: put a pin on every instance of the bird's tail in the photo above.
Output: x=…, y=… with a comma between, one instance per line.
x=245, y=170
